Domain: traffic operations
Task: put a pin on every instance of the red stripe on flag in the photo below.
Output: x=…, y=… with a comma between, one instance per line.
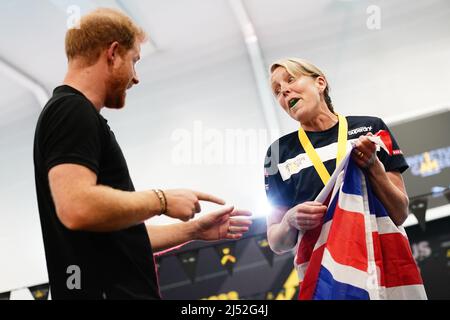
x=400, y=268
x=386, y=138
x=308, y=286
x=378, y=257
x=347, y=240
x=306, y=246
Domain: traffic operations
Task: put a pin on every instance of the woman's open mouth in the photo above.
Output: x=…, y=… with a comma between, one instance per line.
x=293, y=102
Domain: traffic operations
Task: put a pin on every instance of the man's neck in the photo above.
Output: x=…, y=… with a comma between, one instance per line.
x=89, y=83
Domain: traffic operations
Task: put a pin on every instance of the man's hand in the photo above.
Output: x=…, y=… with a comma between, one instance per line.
x=222, y=224
x=306, y=216
x=183, y=204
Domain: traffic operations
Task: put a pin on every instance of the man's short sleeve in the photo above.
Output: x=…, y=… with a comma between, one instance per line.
x=71, y=133
x=396, y=161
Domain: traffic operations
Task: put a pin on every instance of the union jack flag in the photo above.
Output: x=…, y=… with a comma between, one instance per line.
x=358, y=252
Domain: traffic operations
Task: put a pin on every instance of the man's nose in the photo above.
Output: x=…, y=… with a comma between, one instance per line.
x=133, y=82
x=135, y=79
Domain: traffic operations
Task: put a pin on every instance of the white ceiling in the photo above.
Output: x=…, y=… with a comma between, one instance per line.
x=193, y=35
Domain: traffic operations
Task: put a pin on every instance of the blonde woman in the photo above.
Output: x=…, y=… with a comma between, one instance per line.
x=292, y=182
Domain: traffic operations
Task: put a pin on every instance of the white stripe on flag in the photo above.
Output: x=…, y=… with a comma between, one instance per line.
x=412, y=292
x=323, y=237
x=351, y=202
x=386, y=225
x=373, y=283
x=343, y=273
x=301, y=270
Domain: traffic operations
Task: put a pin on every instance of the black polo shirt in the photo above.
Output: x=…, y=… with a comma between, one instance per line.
x=113, y=265
x=291, y=178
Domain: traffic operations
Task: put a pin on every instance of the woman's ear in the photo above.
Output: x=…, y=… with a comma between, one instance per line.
x=321, y=83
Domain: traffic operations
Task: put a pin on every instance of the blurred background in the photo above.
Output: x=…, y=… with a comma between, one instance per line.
x=203, y=116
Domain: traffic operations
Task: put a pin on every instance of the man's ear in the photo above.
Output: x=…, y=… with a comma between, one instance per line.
x=321, y=83
x=113, y=52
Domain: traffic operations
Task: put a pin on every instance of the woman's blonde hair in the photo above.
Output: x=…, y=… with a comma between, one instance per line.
x=98, y=30
x=296, y=67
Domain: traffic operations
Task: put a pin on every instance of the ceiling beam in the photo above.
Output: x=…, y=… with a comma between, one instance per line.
x=260, y=71
x=28, y=82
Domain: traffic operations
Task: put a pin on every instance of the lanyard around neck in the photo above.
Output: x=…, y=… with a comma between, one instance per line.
x=313, y=155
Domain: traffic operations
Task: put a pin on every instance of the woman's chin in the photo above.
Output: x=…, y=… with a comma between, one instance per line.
x=296, y=113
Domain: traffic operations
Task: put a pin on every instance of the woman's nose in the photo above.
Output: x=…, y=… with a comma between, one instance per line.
x=285, y=90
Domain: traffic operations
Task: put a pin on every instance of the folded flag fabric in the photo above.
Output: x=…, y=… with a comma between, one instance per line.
x=358, y=252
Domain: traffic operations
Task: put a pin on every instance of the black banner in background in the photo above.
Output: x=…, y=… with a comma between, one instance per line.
x=431, y=249
x=5, y=296
x=447, y=196
x=40, y=292
x=418, y=208
x=189, y=261
x=227, y=255
x=285, y=286
x=263, y=245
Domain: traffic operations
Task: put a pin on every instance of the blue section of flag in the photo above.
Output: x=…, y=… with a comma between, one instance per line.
x=329, y=289
x=375, y=206
x=352, y=180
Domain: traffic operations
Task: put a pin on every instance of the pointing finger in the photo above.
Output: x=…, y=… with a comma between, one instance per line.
x=209, y=197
